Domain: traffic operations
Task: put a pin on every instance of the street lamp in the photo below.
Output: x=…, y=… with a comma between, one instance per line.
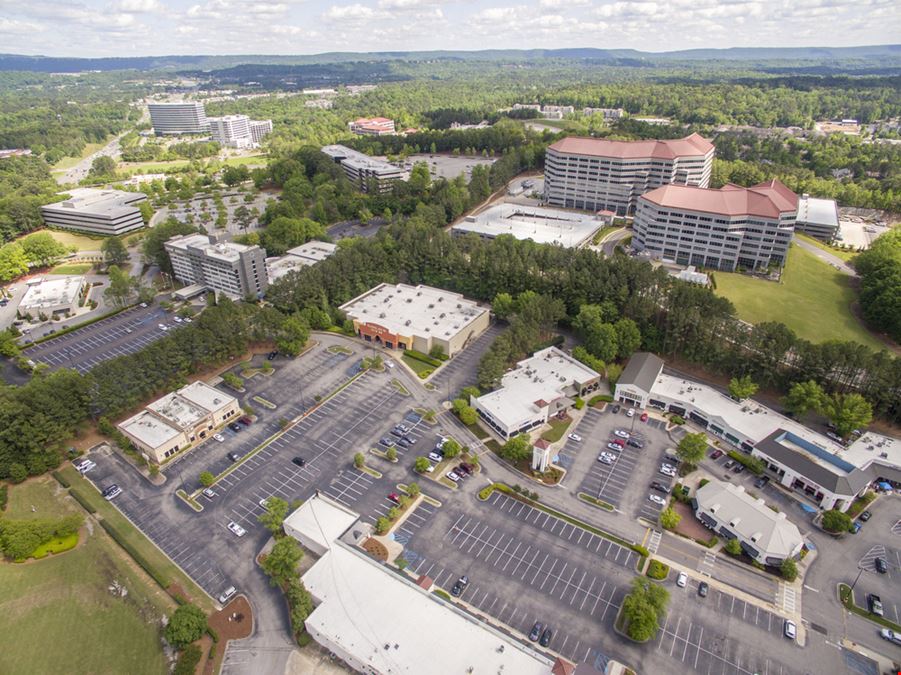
x=860, y=570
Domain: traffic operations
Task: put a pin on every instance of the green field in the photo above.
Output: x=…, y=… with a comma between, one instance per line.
x=162, y=167
x=81, y=242
x=416, y=365
x=74, y=268
x=59, y=615
x=813, y=299
x=89, y=149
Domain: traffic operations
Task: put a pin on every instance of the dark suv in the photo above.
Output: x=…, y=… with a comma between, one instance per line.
x=660, y=487
x=458, y=587
x=635, y=443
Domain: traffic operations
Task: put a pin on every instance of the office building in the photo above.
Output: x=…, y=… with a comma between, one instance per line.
x=106, y=212
x=234, y=269
x=597, y=174
x=231, y=131
x=609, y=114
x=178, y=118
x=416, y=317
x=369, y=174
x=538, y=388
x=259, y=129
x=353, y=594
x=817, y=217
x=53, y=296
x=765, y=535
x=298, y=257
x=541, y=225
x=371, y=126
x=179, y=420
x=725, y=229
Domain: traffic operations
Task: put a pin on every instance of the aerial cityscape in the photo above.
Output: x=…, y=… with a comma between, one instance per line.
x=409, y=336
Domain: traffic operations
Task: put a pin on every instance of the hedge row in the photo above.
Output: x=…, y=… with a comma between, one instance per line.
x=135, y=554
x=69, y=329
x=605, y=398
x=752, y=464
x=61, y=479
x=4, y=495
x=81, y=499
x=425, y=358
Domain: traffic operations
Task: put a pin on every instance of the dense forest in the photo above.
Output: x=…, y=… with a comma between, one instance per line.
x=25, y=185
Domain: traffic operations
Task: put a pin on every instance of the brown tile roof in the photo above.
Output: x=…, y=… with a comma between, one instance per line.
x=562, y=667
x=767, y=200
x=691, y=146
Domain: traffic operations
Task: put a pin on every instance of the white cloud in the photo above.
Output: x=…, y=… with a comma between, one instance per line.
x=562, y=4
x=409, y=4
x=139, y=6
x=355, y=12
x=14, y=27
x=497, y=14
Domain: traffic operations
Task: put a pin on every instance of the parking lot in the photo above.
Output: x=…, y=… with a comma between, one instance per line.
x=124, y=333
x=460, y=371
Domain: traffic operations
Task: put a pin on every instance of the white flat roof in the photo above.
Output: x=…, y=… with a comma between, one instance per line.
x=387, y=622
x=321, y=520
x=414, y=310
x=748, y=417
x=223, y=250
x=149, y=429
x=94, y=202
x=541, y=225
x=313, y=251
x=817, y=211
x=180, y=411
x=52, y=292
x=543, y=377
x=873, y=447
x=359, y=160
x=207, y=397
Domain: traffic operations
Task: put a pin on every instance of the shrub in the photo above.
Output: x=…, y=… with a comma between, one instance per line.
x=788, y=569
x=675, y=419
x=442, y=594
x=485, y=492
x=86, y=505
x=359, y=460
x=207, y=478
x=4, y=496
x=421, y=465
x=468, y=415
x=17, y=472
x=703, y=482
x=733, y=547
x=657, y=570
x=133, y=552
x=600, y=398
x=579, y=403
x=425, y=358
x=381, y=525
x=401, y=563
x=669, y=519
x=187, y=624
x=391, y=454
x=836, y=521
x=188, y=660
x=61, y=479
x=413, y=489
x=752, y=464
x=640, y=550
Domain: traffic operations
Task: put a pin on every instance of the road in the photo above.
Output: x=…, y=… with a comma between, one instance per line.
x=79, y=172
x=826, y=257
x=613, y=240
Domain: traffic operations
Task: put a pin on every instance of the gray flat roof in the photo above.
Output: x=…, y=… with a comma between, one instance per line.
x=51, y=292
x=98, y=203
x=541, y=225
x=149, y=429
x=817, y=211
x=642, y=371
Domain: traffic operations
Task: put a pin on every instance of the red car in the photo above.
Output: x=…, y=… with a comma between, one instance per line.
x=394, y=497
x=644, y=417
x=620, y=442
x=716, y=454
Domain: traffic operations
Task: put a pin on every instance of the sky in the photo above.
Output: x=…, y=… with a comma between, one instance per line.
x=159, y=27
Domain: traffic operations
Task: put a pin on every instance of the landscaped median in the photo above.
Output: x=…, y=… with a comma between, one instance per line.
x=594, y=501
x=847, y=600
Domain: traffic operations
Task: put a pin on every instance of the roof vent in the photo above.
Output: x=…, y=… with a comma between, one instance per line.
x=382, y=315
x=431, y=305
x=407, y=322
x=409, y=299
x=734, y=522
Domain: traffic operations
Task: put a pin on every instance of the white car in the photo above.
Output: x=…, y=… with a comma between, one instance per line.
x=85, y=466
x=657, y=500
x=607, y=458
x=630, y=412
x=265, y=503
x=682, y=580
x=453, y=476
x=219, y=437
x=614, y=446
x=575, y=437
x=789, y=629
x=227, y=595
x=668, y=471
x=236, y=529
x=176, y=319
x=188, y=319
x=621, y=433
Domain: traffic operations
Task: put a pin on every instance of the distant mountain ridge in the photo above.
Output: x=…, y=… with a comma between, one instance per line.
x=52, y=64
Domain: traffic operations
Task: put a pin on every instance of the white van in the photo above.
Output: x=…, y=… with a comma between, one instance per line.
x=227, y=594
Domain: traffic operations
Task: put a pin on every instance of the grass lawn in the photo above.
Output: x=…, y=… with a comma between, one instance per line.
x=558, y=428
x=418, y=366
x=152, y=167
x=74, y=268
x=89, y=149
x=59, y=615
x=81, y=242
x=837, y=252
x=813, y=299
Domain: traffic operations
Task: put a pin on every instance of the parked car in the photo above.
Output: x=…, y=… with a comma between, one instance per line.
x=865, y=516
x=672, y=460
x=236, y=529
x=234, y=456
x=299, y=461
x=394, y=497
x=111, y=492
x=614, y=446
x=703, y=589
x=874, y=604
x=386, y=442
x=453, y=476
x=618, y=441
x=644, y=417
x=227, y=595
x=728, y=465
x=435, y=456
x=460, y=584
x=789, y=629
x=219, y=437
x=271, y=355
x=761, y=482
x=411, y=439
x=716, y=454
x=403, y=427
x=413, y=417
x=657, y=500
x=245, y=420
x=606, y=458
x=574, y=437
x=85, y=466
x=630, y=412
x=668, y=471
x=738, y=468
x=535, y=633
x=397, y=432
x=462, y=470
x=682, y=580
x=546, y=637
x=890, y=635
x=209, y=493
x=234, y=426
x=176, y=319
x=616, y=409
x=635, y=443
x=622, y=433
x=403, y=442
x=660, y=487
x=264, y=503
x=881, y=565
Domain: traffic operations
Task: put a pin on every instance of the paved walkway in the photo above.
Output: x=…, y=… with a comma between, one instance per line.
x=826, y=257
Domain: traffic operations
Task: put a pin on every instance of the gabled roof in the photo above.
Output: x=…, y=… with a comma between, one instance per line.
x=766, y=200
x=690, y=146
x=641, y=371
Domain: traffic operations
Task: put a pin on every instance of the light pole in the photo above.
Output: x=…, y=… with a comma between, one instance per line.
x=860, y=571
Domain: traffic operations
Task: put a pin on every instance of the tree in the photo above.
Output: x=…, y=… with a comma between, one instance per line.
x=188, y=660
x=284, y=233
x=847, y=412
x=152, y=245
x=789, y=570
x=103, y=168
x=282, y=560
x=669, y=519
x=146, y=209
x=803, y=397
x=114, y=251
x=503, y=306
x=293, y=335
x=275, y=514
x=628, y=338
x=421, y=465
x=233, y=175
x=420, y=179
x=741, y=388
x=451, y=448
x=359, y=460
x=468, y=415
x=391, y=454
x=413, y=490
x=42, y=249
x=207, y=478
x=8, y=345
x=836, y=521
x=187, y=624
x=517, y=448
x=733, y=547
x=382, y=524
x=120, y=289
x=643, y=608
x=692, y=447
x=13, y=261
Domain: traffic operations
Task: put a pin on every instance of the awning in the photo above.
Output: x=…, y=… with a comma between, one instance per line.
x=882, y=485
x=807, y=509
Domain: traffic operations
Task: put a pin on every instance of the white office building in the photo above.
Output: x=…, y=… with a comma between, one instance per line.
x=817, y=217
x=599, y=174
x=298, y=257
x=178, y=118
x=106, y=212
x=725, y=229
x=542, y=225
x=259, y=129
x=53, y=296
x=234, y=269
x=231, y=131
x=367, y=173
x=538, y=388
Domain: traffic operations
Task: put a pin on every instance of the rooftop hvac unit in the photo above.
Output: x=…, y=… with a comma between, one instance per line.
x=431, y=306
x=442, y=315
x=459, y=305
x=382, y=315
x=418, y=293
x=435, y=323
x=408, y=322
x=440, y=298
x=409, y=299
